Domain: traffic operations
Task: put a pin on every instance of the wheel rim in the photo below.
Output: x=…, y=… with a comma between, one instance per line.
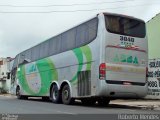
x=18, y=92
x=55, y=94
x=66, y=94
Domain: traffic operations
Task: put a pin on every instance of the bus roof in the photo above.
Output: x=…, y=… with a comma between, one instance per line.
x=104, y=13
x=60, y=33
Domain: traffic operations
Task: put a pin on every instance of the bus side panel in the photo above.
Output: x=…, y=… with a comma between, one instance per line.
x=79, y=62
x=35, y=78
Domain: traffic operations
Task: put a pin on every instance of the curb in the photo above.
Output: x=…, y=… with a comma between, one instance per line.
x=144, y=104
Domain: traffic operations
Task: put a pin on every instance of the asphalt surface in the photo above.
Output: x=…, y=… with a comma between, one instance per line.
x=38, y=107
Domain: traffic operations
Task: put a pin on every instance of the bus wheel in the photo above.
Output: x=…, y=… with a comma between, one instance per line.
x=66, y=95
x=103, y=101
x=18, y=94
x=55, y=94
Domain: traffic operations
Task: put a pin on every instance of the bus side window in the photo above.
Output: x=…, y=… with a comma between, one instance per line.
x=55, y=45
x=82, y=35
x=86, y=32
x=68, y=40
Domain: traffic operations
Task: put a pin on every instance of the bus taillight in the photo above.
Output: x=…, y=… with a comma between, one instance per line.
x=102, y=71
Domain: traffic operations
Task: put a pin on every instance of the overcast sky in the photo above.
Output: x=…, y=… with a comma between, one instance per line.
x=25, y=23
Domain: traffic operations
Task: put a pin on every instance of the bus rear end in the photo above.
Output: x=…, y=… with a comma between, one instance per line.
x=126, y=53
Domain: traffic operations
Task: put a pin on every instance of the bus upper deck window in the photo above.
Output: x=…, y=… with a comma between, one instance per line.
x=113, y=24
x=125, y=26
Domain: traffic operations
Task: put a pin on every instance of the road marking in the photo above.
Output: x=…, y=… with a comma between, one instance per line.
x=62, y=112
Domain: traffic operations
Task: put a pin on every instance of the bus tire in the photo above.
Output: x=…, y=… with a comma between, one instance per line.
x=103, y=101
x=55, y=94
x=66, y=95
x=18, y=93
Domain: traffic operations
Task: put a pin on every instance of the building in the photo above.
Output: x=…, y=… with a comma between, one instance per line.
x=153, y=33
x=5, y=67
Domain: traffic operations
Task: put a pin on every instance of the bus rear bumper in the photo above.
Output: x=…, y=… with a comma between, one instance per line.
x=122, y=91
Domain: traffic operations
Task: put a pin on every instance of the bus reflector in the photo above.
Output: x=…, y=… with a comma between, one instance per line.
x=102, y=71
x=127, y=83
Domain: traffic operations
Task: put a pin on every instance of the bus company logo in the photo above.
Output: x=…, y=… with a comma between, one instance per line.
x=126, y=41
x=126, y=59
x=31, y=68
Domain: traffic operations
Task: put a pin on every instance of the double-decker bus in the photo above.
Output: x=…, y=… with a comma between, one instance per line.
x=98, y=60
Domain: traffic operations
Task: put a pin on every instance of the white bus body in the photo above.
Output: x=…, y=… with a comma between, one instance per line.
x=101, y=59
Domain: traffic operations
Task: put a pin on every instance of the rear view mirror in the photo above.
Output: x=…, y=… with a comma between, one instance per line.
x=8, y=75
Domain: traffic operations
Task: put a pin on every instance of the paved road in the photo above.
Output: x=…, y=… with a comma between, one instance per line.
x=11, y=105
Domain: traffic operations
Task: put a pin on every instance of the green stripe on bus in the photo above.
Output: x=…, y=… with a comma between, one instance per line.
x=54, y=73
x=23, y=81
x=48, y=73
x=88, y=54
x=79, y=55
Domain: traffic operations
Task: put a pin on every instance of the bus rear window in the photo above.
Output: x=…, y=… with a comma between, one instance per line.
x=125, y=26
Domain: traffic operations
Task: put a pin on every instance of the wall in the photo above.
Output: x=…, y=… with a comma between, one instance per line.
x=5, y=83
x=153, y=33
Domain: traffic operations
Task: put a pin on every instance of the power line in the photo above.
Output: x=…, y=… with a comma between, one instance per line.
x=54, y=11
x=66, y=4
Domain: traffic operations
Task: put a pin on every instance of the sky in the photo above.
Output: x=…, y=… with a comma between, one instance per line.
x=25, y=23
